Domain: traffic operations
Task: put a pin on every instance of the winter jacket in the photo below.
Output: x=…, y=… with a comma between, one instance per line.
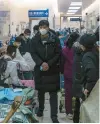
x=25, y=45
x=68, y=62
x=11, y=73
x=48, y=52
x=52, y=31
x=77, y=72
x=90, y=64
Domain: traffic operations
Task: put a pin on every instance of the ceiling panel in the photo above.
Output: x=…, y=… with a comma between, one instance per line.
x=63, y=6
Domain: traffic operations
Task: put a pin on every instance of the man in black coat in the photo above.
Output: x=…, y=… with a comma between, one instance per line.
x=46, y=53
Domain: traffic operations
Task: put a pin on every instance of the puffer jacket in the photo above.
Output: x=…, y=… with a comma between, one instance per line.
x=48, y=52
x=90, y=63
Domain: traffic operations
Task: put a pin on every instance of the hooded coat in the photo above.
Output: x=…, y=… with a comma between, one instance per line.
x=48, y=52
x=90, y=62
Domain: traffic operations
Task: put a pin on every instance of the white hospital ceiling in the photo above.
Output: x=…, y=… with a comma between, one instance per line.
x=70, y=6
x=86, y=3
x=65, y=6
x=33, y=4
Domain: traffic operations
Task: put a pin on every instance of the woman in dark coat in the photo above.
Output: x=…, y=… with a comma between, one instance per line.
x=90, y=62
x=77, y=70
x=77, y=76
x=85, y=70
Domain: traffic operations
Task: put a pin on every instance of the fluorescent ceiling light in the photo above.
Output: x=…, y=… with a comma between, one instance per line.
x=72, y=11
x=74, y=8
x=76, y=4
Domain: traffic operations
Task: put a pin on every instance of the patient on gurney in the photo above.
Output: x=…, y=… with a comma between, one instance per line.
x=10, y=65
x=8, y=69
x=12, y=89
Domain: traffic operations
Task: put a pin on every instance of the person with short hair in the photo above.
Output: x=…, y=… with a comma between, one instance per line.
x=46, y=54
x=25, y=42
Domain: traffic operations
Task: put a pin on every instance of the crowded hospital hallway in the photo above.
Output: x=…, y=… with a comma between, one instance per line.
x=49, y=61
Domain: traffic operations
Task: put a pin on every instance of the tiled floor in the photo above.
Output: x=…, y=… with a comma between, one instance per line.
x=62, y=117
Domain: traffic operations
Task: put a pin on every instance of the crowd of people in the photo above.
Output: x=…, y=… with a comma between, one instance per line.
x=55, y=53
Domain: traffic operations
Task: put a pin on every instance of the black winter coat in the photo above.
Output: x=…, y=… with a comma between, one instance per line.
x=49, y=53
x=90, y=64
x=77, y=73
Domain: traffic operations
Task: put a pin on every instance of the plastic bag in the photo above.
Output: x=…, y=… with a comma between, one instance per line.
x=29, y=60
x=9, y=94
x=23, y=64
x=91, y=106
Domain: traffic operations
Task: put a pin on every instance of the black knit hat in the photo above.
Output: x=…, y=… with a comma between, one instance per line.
x=72, y=38
x=88, y=40
x=43, y=22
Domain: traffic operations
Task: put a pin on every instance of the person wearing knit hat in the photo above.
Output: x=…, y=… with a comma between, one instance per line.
x=87, y=41
x=90, y=62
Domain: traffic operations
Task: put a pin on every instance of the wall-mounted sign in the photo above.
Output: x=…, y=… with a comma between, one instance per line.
x=4, y=13
x=75, y=19
x=38, y=13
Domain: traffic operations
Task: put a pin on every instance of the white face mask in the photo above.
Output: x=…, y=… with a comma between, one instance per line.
x=43, y=31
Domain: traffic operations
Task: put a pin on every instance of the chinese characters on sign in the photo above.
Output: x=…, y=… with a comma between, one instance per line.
x=4, y=16
x=38, y=13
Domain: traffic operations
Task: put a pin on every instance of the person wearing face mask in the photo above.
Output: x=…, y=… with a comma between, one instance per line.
x=25, y=42
x=46, y=53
